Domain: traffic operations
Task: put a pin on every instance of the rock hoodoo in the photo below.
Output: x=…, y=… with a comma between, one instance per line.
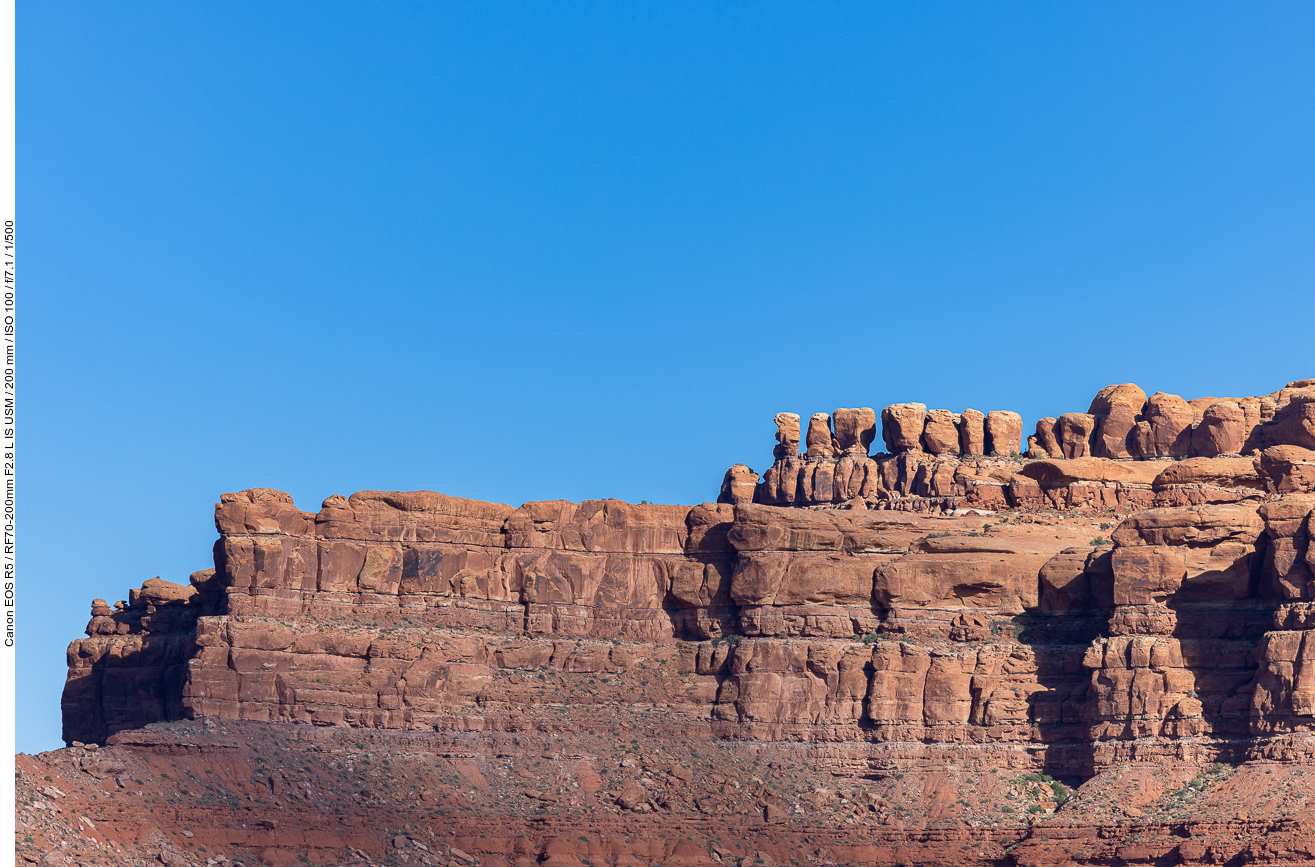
x=954, y=458
x=948, y=658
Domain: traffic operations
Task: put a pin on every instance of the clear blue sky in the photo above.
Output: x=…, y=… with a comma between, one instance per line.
x=536, y=251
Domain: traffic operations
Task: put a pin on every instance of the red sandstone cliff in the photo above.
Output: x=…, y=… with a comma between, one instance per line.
x=987, y=660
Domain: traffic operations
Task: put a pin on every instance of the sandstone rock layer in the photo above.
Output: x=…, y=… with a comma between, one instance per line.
x=948, y=658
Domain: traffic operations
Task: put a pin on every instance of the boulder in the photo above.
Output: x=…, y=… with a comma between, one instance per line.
x=1294, y=424
x=1268, y=407
x=855, y=430
x=770, y=492
x=1045, y=437
x=632, y=796
x=262, y=511
x=1124, y=394
x=1222, y=430
x=816, y=483
x=1118, y=408
x=1004, y=432
x=787, y=490
x=1141, y=443
x=738, y=486
x=1114, y=432
x=972, y=432
x=1170, y=418
x=936, y=479
x=1074, y=430
x=820, y=443
x=902, y=425
x=940, y=435
x=156, y=591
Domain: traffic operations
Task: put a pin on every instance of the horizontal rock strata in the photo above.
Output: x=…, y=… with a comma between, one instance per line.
x=1116, y=652
x=849, y=625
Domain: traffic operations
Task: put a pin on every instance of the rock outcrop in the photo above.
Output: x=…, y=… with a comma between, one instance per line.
x=902, y=426
x=946, y=457
x=961, y=660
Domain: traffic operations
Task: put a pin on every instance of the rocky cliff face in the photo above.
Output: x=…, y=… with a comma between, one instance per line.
x=990, y=660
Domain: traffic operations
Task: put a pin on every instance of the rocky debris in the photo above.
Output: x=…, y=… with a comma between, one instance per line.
x=632, y=797
x=770, y=801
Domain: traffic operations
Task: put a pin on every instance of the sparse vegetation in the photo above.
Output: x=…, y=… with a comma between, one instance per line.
x=1060, y=792
x=1201, y=781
